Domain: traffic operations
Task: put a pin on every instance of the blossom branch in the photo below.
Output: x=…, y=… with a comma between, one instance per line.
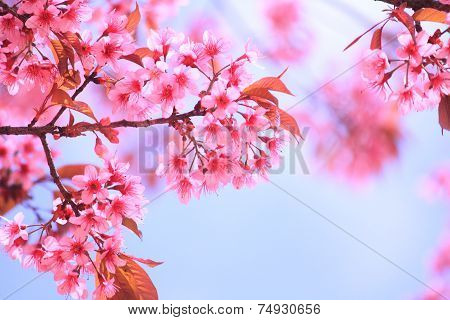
x=85, y=127
x=54, y=174
x=419, y=4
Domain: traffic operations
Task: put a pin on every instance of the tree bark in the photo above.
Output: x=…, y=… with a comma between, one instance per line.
x=420, y=4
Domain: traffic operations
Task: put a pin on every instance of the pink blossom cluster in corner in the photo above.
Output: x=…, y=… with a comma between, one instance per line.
x=21, y=62
x=70, y=243
x=422, y=66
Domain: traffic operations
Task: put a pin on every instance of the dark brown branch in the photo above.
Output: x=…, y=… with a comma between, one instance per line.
x=85, y=127
x=420, y=4
x=66, y=194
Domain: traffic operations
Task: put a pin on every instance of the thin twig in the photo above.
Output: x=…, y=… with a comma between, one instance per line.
x=66, y=194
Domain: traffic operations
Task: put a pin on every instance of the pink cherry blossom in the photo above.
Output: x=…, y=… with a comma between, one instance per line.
x=110, y=254
x=89, y=220
x=415, y=51
x=108, y=50
x=69, y=283
x=409, y=99
x=13, y=230
x=222, y=100
x=35, y=72
x=106, y=289
x=31, y=6
x=128, y=94
x=43, y=19
x=76, y=248
x=92, y=183
x=10, y=25
x=75, y=13
x=375, y=65
x=212, y=46
x=120, y=208
x=167, y=94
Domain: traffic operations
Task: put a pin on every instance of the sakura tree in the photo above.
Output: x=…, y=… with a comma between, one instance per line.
x=229, y=130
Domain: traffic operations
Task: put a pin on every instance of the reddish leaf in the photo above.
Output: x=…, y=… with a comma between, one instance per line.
x=133, y=282
x=429, y=14
x=69, y=80
x=280, y=118
x=8, y=203
x=359, y=38
x=74, y=41
x=60, y=55
x=376, y=39
x=133, y=20
x=132, y=225
x=403, y=17
x=70, y=170
x=262, y=93
x=147, y=262
x=83, y=108
x=61, y=97
x=138, y=55
x=269, y=83
x=444, y=113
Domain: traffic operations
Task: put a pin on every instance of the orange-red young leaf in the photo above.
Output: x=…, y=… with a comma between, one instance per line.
x=148, y=262
x=132, y=225
x=444, y=113
x=7, y=203
x=262, y=93
x=83, y=108
x=280, y=118
x=359, y=38
x=69, y=80
x=269, y=83
x=61, y=97
x=376, y=39
x=133, y=282
x=430, y=14
x=133, y=20
x=137, y=56
x=70, y=170
x=408, y=21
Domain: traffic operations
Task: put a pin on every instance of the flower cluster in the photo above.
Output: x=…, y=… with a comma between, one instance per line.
x=76, y=243
x=25, y=30
x=232, y=143
x=20, y=167
x=420, y=63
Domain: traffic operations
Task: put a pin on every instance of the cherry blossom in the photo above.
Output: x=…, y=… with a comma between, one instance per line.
x=92, y=183
x=13, y=230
